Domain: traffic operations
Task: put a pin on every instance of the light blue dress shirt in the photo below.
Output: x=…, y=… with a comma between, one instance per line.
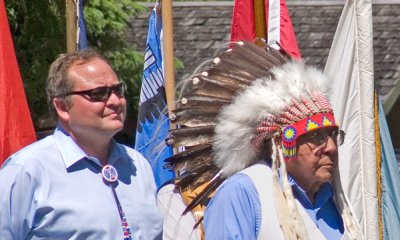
x=53, y=190
x=235, y=211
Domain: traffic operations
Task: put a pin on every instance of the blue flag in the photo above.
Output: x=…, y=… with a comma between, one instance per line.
x=390, y=182
x=153, y=122
x=81, y=31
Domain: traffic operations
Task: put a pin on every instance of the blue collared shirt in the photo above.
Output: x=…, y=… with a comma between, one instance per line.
x=53, y=190
x=235, y=211
x=323, y=212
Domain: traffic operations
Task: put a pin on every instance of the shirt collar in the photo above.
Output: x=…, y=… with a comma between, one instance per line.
x=71, y=153
x=322, y=196
x=116, y=152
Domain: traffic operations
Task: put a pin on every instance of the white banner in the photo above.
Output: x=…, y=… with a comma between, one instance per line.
x=350, y=66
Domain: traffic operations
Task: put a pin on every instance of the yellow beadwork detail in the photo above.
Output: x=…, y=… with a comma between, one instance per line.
x=326, y=122
x=311, y=125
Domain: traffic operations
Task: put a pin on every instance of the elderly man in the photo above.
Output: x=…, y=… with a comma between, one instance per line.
x=281, y=128
x=260, y=133
x=79, y=183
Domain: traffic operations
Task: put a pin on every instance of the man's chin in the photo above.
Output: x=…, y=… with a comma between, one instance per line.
x=115, y=126
x=328, y=177
x=327, y=172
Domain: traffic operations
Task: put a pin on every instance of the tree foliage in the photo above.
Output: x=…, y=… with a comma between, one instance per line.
x=39, y=34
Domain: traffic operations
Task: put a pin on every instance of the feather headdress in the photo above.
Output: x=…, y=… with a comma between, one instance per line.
x=247, y=95
x=227, y=113
x=198, y=112
x=287, y=104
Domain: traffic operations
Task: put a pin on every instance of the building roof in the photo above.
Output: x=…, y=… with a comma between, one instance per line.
x=202, y=29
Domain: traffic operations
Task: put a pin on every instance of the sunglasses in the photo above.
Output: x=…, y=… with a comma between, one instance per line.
x=100, y=93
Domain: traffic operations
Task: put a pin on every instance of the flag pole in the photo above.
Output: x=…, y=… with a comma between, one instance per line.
x=168, y=52
x=70, y=14
x=259, y=21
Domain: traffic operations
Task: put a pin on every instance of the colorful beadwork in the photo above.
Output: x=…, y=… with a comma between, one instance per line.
x=291, y=132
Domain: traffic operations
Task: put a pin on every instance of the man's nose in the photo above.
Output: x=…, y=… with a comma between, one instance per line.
x=330, y=145
x=114, y=99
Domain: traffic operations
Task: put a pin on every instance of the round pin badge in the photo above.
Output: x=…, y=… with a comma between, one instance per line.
x=109, y=173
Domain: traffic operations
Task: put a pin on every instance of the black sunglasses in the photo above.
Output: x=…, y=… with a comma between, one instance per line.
x=100, y=93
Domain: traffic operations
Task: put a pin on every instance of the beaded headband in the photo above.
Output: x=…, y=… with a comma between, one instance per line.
x=292, y=132
x=308, y=112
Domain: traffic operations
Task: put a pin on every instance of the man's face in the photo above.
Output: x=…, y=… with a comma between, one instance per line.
x=317, y=158
x=95, y=118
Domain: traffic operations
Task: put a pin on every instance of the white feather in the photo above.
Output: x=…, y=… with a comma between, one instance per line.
x=237, y=121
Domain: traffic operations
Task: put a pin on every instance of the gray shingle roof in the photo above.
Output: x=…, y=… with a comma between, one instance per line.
x=202, y=29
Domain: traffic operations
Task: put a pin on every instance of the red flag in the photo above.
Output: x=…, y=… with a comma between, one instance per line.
x=243, y=26
x=277, y=19
x=16, y=128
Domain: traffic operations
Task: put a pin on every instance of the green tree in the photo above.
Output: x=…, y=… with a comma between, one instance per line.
x=39, y=35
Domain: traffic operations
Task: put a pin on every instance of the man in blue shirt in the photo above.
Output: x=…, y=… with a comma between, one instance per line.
x=296, y=193
x=79, y=183
x=238, y=206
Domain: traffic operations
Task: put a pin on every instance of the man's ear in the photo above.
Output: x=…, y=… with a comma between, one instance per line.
x=61, y=108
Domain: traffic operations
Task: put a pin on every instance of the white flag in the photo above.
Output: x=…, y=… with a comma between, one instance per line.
x=369, y=180
x=350, y=66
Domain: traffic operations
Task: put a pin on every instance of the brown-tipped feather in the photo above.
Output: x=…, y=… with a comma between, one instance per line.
x=268, y=56
x=190, y=136
x=220, y=73
x=242, y=70
x=191, y=176
x=194, y=117
x=203, y=178
x=184, y=180
x=192, y=151
x=198, y=222
x=279, y=56
x=247, y=60
x=196, y=113
x=227, y=69
x=203, y=195
x=201, y=102
x=226, y=82
x=190, y=159
x=188, y=164
x=210, y=89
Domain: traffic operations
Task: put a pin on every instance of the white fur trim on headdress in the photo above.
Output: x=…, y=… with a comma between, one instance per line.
x=266, y=98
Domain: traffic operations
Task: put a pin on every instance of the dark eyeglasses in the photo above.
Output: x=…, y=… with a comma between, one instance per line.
x=319, y=138
x=101, y=93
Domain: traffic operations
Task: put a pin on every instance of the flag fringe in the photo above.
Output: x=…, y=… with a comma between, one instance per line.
x=378, y=150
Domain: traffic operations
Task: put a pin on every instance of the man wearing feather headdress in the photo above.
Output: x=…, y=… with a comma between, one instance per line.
x=291, y=195
x=274, y=138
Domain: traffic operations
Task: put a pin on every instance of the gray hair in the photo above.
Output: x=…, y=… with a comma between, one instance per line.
x=58, y=83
